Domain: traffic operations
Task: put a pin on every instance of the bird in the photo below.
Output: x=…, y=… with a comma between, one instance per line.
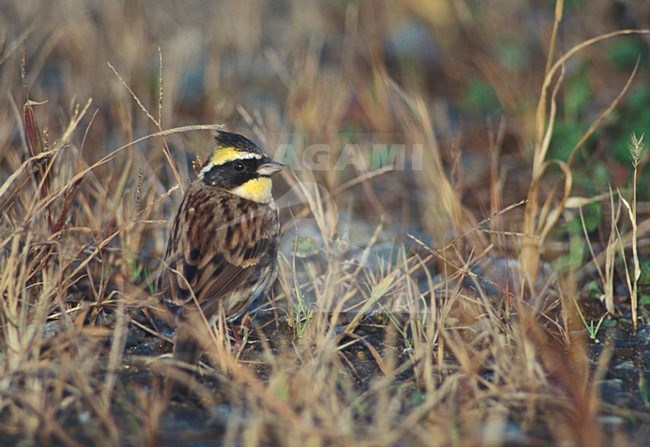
x=222, y=249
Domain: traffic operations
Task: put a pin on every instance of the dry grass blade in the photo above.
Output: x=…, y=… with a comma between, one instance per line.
x=550, y=74
x=632, y=279
x=116, y=354
x=19, y=178
x=111, y=156
x=35, y=146
x=438, y=252
x=32, y=131
x=361, y=178
x=637, y=149
x=610, y=255
x=156, y=122
x=134, y=96
x=550, y=215
x=545, y=122
x=605, y=113
x=531, y=243
x=377, y=293
x=448, y=211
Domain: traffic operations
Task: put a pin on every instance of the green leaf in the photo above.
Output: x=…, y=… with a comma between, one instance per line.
x=479, y=97
x=624, y=51
x=644, y=280
x=578, y=96
x=513, y=55
x=306, y=247
x=565, y=137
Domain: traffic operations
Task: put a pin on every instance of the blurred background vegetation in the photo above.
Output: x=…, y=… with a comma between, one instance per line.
x=312, y=72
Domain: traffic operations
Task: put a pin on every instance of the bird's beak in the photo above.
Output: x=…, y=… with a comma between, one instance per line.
x=269, y=168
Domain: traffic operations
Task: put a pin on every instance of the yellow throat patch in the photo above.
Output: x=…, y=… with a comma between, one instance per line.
x=223, y=155
x=257, y=190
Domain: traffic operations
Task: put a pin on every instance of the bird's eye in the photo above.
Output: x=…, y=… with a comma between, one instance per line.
x=239, y=167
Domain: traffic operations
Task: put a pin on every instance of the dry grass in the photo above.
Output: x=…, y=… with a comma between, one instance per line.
x=401, y=315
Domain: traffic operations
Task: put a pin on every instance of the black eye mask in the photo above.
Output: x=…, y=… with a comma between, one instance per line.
x=231, y=175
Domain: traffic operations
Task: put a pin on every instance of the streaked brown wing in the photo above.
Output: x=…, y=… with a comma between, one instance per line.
x=218, y=278
x=215, y=251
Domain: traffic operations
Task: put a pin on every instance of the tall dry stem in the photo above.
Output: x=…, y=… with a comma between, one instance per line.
x=538, y=222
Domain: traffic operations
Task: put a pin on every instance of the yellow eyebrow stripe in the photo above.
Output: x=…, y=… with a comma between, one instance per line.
x=225, y=154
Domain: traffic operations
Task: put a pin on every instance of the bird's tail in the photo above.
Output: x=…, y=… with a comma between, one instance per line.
x=187, y=352
x=191, y=336
x=187, y=348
